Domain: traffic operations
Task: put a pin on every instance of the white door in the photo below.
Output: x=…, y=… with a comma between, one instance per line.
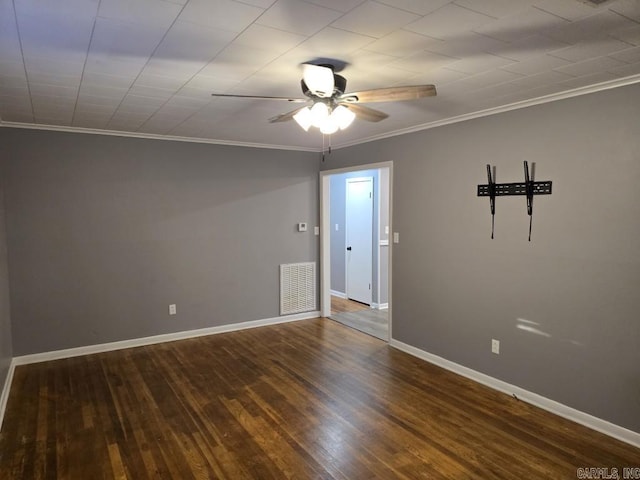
x=359, y=235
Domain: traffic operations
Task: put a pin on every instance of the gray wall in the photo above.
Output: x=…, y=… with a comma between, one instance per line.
x=6, y=351
x=105, y=232
x=566, y=307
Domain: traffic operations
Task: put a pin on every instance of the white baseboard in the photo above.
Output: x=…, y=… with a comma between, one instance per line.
x=4, y=395
x=380, y=306
x=595, y=423
x=168, y=337
x=335, y=293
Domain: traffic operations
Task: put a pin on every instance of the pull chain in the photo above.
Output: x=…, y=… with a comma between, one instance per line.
x=325, y=148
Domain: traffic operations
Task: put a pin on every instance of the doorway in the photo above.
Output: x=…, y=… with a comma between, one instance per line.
x=355, y=283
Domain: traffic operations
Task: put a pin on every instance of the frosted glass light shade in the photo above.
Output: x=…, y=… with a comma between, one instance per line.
x=321, y=116
x=319, y=80
x=319, y=112
x=329, y=125
x=342, y=116
x=304, y=118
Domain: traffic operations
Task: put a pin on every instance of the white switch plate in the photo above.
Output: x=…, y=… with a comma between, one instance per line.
x=495, y=346
x=386, y=229
x=302, y=227
x=396, y=237
x=172, y=309
x=316, y=230
x=337, y=227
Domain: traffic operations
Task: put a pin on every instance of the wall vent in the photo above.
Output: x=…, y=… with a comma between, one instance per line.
x=297, y=287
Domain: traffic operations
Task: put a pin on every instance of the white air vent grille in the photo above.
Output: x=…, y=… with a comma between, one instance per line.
x=297, y=287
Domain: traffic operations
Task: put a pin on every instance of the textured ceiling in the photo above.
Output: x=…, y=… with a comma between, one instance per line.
x=149, y=66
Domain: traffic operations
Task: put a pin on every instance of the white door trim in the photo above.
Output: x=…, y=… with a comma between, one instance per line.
x=325, y=232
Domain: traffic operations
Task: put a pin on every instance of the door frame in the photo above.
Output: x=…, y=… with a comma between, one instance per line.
x=325, y=239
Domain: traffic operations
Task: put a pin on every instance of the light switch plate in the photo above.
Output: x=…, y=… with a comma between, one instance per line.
x=302, y=227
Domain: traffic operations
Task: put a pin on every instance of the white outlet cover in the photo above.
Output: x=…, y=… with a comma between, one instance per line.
x=316, y=230
x=495, y=346
x=302, y=227
x=172, y=309
x=396, y=237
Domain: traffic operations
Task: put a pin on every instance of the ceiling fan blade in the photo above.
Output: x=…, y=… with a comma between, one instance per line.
x=319, y=79
x=285, y=117
x=366, y=113
x=261, y=97
x=390, y=94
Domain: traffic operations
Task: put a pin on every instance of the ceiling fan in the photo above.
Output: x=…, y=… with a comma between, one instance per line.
x=332, y=109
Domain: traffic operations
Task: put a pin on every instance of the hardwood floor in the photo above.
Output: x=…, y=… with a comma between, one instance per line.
x=361, y=317
x=309, y=399
x=344, y=305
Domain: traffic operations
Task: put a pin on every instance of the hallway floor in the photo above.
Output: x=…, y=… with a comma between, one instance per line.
x=361, y=317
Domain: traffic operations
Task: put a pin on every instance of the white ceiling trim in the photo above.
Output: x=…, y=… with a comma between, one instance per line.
x=504, y=108
x=426, y=126
x=151, y=136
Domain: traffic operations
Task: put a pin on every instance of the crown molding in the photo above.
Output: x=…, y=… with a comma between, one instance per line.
x=554, y=97
x=151, y=136
x=576, y=92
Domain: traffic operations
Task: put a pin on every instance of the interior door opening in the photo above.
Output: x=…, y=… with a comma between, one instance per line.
x=356, y=256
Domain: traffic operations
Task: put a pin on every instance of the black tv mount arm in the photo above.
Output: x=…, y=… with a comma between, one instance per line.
x=528, y=188
x=492, y=197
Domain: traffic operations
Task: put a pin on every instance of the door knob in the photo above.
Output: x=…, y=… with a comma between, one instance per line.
x=349, y=249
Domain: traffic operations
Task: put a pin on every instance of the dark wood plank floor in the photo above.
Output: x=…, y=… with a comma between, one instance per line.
x=310, y=399
x=344, y=305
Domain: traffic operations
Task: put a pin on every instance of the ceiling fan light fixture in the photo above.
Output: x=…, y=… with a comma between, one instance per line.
x=304, y=118
x=342, y=116
x=331, y=108
x=328, y=120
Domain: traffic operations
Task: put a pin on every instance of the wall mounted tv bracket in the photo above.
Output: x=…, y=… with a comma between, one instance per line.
x=528, y=188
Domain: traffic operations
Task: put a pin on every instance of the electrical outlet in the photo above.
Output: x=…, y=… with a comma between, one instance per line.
x=172, y=309
x=495, y=346
x=316, y=230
